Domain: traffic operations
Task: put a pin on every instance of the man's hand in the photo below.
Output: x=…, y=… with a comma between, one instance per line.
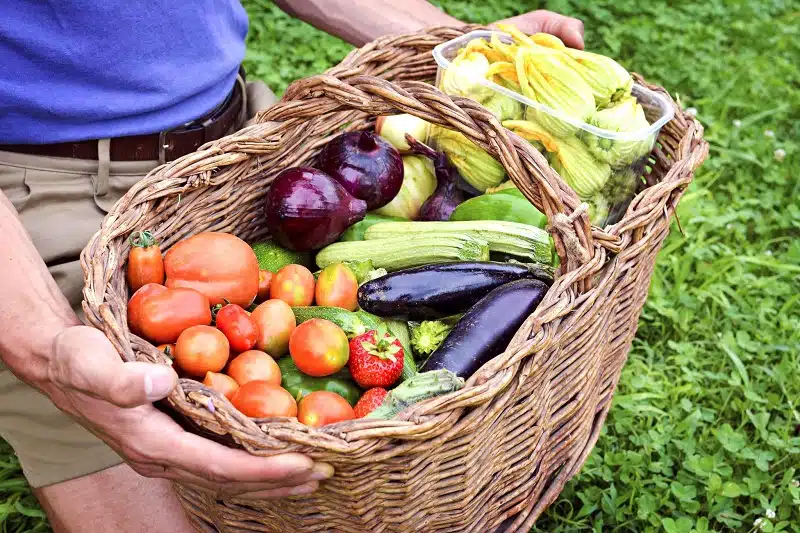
x=567, y=29
x=87, y=379
x=361, y=21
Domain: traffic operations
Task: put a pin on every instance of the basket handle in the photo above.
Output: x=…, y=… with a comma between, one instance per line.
x=325, y=94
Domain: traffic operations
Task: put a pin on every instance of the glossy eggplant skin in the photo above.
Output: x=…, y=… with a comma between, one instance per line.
x=485, y=330
x=436, y=291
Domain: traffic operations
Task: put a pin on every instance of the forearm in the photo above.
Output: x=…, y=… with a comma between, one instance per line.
x=361, y=21
x=32, y=309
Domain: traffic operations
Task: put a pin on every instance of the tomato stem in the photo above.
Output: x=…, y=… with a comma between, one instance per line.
x=142, y=239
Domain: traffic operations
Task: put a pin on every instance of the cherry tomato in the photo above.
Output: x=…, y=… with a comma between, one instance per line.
x=219, y=265
x=221, y=383
x=237, y=326
x=145, y=264
x=259, y=399
x=275, y=322
x=337, y=287
x=322, y=407
x=294, y=284
x=168, y=349
x=254, y=365
x=160, y=314
x=264, y=282
x=201, y=349
x=319, y=347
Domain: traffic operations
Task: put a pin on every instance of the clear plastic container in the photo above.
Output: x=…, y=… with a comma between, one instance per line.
x=606, y=206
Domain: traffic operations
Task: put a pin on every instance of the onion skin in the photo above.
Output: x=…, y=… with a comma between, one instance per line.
x=366, y=165
x=306, y=209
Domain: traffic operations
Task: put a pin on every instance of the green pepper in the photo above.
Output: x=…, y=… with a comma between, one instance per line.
x=507, y=204
x=300, y=385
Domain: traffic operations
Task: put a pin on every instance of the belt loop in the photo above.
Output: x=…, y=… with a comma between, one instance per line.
x=103, y=167
x=243, y=116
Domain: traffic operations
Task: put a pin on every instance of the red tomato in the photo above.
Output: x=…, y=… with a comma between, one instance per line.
x=319, y=347
x=254, y=365
x=201, y=349
x=259, y=399
x=322, y=407
x=168, y=349
x=145, y=264
x=294, y=284
x=264, y=282
x=160, y=314
x=219, y=265
x=237, y=326
x=275, y=322
x=337, y=287
x=221, y=383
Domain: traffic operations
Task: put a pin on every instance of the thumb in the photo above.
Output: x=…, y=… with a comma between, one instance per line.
x=84, y=360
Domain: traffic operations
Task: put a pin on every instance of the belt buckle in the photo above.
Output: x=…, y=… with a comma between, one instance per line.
x=162, y=147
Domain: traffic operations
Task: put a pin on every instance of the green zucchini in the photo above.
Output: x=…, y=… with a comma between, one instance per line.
x=357, y=230
x=508, y=205
x=512, y=238
x=399, y=329
x=405, y=250
x=420, y=387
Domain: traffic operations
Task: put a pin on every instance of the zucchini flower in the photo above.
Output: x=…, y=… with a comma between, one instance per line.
x=545, y=77
x=609, y=80
x=625, y=116
x=504, y=107
x=575, y=164
x=464, y=77
x=621, y=185
x=478, y=168
x=504, y=73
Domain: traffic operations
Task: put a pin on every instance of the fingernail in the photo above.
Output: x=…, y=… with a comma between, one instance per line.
x=308, y=488
x=158, y=383
x=321, y=471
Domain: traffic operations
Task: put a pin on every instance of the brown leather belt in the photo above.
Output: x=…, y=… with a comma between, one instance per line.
x=164, y=146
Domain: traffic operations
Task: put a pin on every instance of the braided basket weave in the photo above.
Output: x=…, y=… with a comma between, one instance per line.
x=501, y=447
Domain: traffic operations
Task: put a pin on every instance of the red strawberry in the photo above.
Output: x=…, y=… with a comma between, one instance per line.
x=376, y=363
x=369, y=401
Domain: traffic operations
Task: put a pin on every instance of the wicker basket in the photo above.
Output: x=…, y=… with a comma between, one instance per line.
x=503, y=446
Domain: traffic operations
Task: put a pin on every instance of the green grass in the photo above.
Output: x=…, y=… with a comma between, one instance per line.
x=703, y=435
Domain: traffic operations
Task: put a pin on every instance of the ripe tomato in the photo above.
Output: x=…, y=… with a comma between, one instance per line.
x=168, y=349
x=319, y=347
x=221, y=383
x=145, y=264
x=264, y=282
x=337, y=287
x=160, y=314
x=201, y=349
x=275, y=322
x=259, y=399
x=294, y=284
x=322, y=407
x=254, y=365
x=237, y=326
x=219, y=265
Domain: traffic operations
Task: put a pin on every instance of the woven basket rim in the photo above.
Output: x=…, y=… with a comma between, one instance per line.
x=584, y=249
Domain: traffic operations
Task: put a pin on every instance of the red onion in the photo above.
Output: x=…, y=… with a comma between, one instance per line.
x=367, y=166
x=307, y=209
x=441, y=204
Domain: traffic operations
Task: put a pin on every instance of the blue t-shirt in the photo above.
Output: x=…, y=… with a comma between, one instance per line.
x=72, y=70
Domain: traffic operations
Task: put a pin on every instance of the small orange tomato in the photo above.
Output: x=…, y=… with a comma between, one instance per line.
x=294, y=284
x=319, y=347
x=264, y=282
x=201, y=349
x=275, y=322
x=322, y=407
x=337, y=287
x=254, y=365
x=145, y=263
x=221, y=383
x=259, y=399
x=168, y=349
